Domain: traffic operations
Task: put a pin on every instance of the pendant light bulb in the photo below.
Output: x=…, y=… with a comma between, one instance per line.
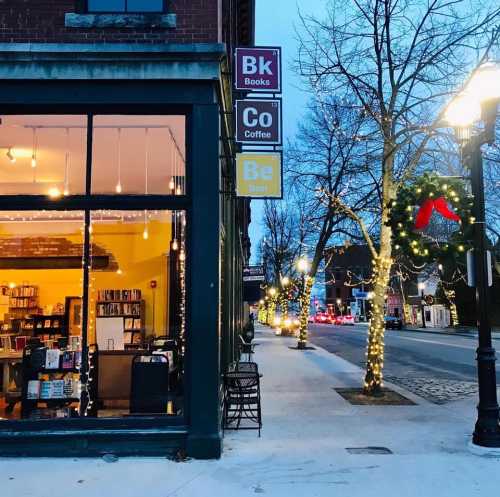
x=66, y=191
x=175, y=245
x=171, y=185
x=118, y=188
x=145, y=233
x=11, y=156
x=33, y=161
x=179, y=191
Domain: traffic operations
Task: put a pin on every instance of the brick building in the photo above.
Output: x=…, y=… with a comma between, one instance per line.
x=117, y=152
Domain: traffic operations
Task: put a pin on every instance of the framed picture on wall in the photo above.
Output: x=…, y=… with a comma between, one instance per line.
x=73, y=315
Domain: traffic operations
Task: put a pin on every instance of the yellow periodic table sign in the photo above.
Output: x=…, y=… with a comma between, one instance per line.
x=259, y=175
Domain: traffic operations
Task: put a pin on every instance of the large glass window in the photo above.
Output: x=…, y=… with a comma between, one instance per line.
x=136, y=308
x=40, y=313
x=139, y=155
x=43, y=155
x=92, y=302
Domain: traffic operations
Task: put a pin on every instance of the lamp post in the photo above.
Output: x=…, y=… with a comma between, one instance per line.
x=339, y=306
x=421, y=287
x=479, y=101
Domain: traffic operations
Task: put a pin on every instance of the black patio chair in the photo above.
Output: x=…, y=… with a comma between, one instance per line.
x=242, y=402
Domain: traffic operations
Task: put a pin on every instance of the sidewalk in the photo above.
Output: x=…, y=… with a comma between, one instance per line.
x=302, y=451
x=462, y=331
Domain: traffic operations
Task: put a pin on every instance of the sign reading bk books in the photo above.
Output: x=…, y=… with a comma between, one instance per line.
x=258, y=69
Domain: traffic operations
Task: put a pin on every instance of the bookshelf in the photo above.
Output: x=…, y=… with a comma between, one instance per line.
x=128, y=305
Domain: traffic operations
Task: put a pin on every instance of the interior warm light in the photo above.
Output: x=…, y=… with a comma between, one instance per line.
x=171, y=185
x=179, y=191
x=145, y=233
x=118, y=188
x=54, y=192
x=12, y=285
x=463, y=111
x=10, y=156
x=33, y=161
x=119, y=271
x=66, y=191
x=175, y=245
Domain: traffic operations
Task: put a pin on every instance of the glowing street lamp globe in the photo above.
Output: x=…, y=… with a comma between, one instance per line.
x=285, y=281
x=272, y=292
x=303, y=265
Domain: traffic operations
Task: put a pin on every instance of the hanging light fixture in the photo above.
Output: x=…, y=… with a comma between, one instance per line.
x=118, y=188
x=171, y=184
x=178, y=190
x=34, y=149
x=145, y=233
x=67, y=163
x=11, y=156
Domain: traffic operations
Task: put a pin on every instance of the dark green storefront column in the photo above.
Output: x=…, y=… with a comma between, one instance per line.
x=203, y=347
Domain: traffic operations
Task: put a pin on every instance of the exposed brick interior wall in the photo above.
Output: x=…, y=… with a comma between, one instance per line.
x=42, y=21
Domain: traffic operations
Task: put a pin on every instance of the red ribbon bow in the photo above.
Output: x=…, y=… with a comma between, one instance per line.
x=425, y=212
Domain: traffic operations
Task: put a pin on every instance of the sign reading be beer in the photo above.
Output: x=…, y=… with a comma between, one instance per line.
x=258, y=175
x=258, y=69
x=258, y=122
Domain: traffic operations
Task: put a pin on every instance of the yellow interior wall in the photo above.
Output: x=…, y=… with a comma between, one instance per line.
x=140, y=262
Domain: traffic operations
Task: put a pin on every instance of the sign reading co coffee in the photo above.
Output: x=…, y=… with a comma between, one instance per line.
x=258, y=69
x=258, y=122
x=258, y=175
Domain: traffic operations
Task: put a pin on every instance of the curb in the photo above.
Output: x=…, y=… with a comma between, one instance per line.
x=478, y=450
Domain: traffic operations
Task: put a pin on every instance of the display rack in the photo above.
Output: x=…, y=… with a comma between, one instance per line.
x=64, y=375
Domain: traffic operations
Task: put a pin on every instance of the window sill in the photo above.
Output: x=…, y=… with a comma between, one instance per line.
x=131, y=21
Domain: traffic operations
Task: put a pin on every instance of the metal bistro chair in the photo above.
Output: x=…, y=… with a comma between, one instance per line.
x=247, y=348
x=242, y=400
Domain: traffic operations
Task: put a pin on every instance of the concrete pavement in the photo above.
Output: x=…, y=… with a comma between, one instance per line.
x=307, y=429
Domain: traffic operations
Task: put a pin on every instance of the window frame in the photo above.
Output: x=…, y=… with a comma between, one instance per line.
x=87, y=9
x=87, y=203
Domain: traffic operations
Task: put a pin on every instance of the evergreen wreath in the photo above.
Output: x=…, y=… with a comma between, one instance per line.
x=413, y=214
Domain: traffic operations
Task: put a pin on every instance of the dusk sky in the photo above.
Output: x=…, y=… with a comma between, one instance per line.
x=275, y=27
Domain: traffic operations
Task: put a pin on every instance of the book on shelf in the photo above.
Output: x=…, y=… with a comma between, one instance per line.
x=127, y=337
x=68, y=359
x=118, y=295
x=33, y=390
x=118, y=309
x=52, y=358
x=137, y=324
x=37, y=359
x=129, y=323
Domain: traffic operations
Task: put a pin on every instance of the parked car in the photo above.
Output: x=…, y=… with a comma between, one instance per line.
x=337, y=320
x=323, y=318
x=393, y=323
x=348, y=320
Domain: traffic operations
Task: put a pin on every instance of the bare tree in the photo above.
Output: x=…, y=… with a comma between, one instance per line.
x=399, y=60
x=327, y=157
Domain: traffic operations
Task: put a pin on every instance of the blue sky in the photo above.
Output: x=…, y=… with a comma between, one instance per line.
x=275, y=27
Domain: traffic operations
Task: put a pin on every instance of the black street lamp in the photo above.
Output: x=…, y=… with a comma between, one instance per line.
x=479, y=101
x=421, y=287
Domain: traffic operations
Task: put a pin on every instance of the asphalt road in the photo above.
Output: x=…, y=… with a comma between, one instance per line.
x=407, y=354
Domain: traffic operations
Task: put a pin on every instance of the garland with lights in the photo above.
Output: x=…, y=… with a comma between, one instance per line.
x=412, y=213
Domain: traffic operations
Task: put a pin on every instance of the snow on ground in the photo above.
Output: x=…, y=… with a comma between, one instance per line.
x=302, y=451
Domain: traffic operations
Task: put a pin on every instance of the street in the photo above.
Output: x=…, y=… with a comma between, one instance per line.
x=439, y=368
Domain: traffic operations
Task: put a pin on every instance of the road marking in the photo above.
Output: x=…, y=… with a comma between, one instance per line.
x=437, y=343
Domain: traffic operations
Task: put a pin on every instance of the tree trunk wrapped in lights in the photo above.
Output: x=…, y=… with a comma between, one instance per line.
x=283, y=298
x=375, y=349
x=305, y=304
x=271, y=311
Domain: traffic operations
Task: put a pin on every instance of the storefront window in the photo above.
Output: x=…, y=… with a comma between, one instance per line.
x=40, y=313
x=136, y=300
x=92, y=302
x=139, y=155
x=43, y=155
